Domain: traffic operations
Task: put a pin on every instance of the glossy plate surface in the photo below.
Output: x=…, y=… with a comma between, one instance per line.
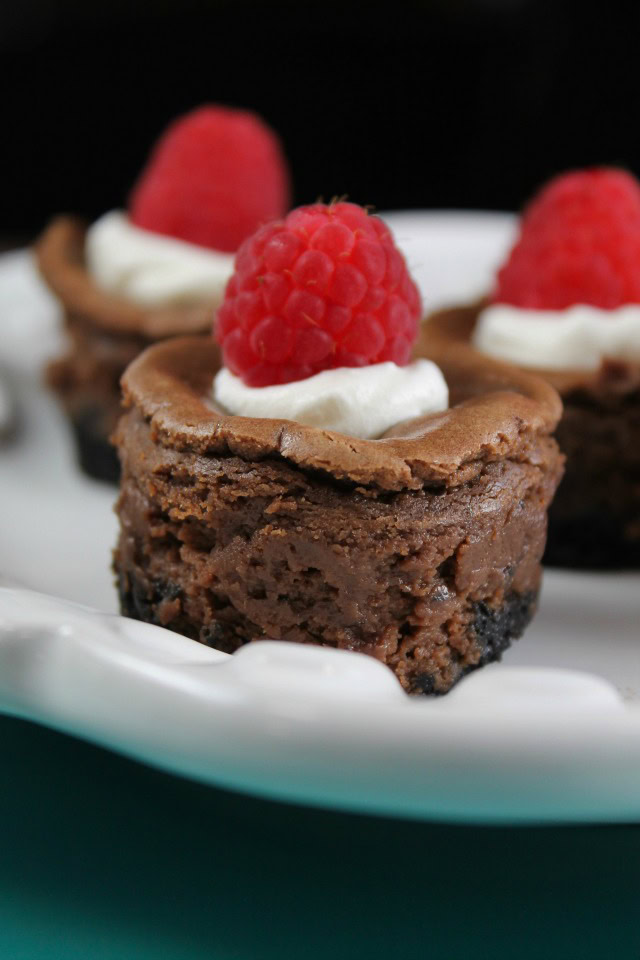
x=553, y=733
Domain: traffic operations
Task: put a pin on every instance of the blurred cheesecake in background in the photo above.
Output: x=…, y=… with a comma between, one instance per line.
x=160, y=268
x=566, y=306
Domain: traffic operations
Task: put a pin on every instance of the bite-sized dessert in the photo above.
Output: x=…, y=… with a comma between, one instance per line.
x=566, y=306
x=302, y=480
x=158, y=269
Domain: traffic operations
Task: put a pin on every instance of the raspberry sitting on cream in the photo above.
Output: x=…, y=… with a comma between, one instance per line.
x=568, y=295
x=318, y=323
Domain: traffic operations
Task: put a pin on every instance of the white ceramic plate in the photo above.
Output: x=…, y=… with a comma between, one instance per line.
x=551, y=734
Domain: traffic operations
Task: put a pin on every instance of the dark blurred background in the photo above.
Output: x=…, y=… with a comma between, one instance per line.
x=431, y=103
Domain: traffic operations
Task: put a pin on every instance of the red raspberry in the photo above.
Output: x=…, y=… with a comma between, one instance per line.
x=579, y=243
x=326, y=287
x=213, y=177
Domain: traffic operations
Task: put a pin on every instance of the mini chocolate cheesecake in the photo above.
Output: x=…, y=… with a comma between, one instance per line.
x=158, y=269
x=565, y=305
x=421, y=548
x=105, y=333
x=594, y=520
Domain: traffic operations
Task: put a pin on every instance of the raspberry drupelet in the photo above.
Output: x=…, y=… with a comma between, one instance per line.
x=325, y=287
x=579, y=243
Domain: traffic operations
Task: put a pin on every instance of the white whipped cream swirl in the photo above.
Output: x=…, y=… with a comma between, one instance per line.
x=577, y=338
x=152, y=269
x=357, y=401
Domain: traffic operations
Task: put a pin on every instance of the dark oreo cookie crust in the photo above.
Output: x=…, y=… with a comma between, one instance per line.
x=96, y=455
x=494, y=629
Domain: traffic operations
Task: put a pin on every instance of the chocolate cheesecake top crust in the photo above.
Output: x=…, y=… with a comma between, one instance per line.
x=495, y=413
x=60, y=255
x=614, y=377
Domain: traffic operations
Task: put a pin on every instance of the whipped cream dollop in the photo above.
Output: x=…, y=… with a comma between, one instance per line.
x=152, y=269
x=577, y=338
x=358, y=401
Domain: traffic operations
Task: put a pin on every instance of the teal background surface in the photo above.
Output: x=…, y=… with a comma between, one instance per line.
x=103, y=858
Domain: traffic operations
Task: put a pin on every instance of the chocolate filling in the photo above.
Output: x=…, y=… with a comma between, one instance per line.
x=227, y=552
